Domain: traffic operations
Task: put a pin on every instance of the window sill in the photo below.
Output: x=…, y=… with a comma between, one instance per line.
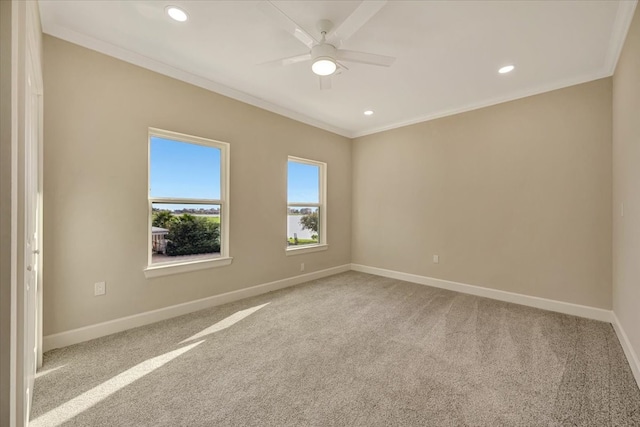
x=184, y=267
x=306, y=249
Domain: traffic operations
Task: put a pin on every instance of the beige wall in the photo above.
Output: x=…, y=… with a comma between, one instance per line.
x=626, y=186
x=97, y=112
x=515, y=197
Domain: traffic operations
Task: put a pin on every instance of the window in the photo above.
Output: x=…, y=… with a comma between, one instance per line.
x=188, y=203
x=306, y=206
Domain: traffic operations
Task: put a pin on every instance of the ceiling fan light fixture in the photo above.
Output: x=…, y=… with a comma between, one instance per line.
x=324, y=66
x=177, y=14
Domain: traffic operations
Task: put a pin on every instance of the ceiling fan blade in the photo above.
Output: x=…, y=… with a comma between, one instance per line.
x=286, y=23
x=365, y=58
x=295, y=59
x=363, y=13
x=289, y=60
x=325, y=82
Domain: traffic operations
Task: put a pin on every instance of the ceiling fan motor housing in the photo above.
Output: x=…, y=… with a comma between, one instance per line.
x=323, y=51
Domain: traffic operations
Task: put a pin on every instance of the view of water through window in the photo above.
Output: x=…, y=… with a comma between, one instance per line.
x=183, y=231
x=303, y=211
x=302, y=225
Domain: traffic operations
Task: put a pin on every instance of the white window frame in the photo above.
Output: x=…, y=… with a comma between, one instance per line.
x=322, y=244
x=163, y=269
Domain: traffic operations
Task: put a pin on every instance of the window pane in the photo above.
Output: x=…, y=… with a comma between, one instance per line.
x=303, y=225
x=184, y=232
x=303, y=183
x=183, y=170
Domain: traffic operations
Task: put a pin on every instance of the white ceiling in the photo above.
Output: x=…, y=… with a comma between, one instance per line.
x=448, y=52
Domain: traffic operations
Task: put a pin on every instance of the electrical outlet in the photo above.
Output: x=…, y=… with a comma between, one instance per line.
x=99, y=288
x=436, y=259
x=302, y=266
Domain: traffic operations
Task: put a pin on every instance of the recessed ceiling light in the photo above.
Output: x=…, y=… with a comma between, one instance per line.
x=368, y=113
x=506, y=69
x=177, y=14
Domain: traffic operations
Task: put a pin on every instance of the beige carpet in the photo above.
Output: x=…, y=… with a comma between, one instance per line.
x=351, y=349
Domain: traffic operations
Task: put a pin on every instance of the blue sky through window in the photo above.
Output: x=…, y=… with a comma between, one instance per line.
x=303, y=182
x=183, y=170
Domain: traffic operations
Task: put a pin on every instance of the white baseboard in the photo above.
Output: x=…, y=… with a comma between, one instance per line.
x=546, y=304
x=537, y=302
x=86, y=333
x=632, y=357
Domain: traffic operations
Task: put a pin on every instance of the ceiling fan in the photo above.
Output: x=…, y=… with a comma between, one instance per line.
x=325, y=54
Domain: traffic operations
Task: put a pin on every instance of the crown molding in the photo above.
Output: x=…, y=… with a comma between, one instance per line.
x=185, y=76
x=537, y=90
x=621, y=25
x=624, y=16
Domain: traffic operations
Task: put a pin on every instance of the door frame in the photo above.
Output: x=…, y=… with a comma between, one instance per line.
x=31, y=165
x=26, y=59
